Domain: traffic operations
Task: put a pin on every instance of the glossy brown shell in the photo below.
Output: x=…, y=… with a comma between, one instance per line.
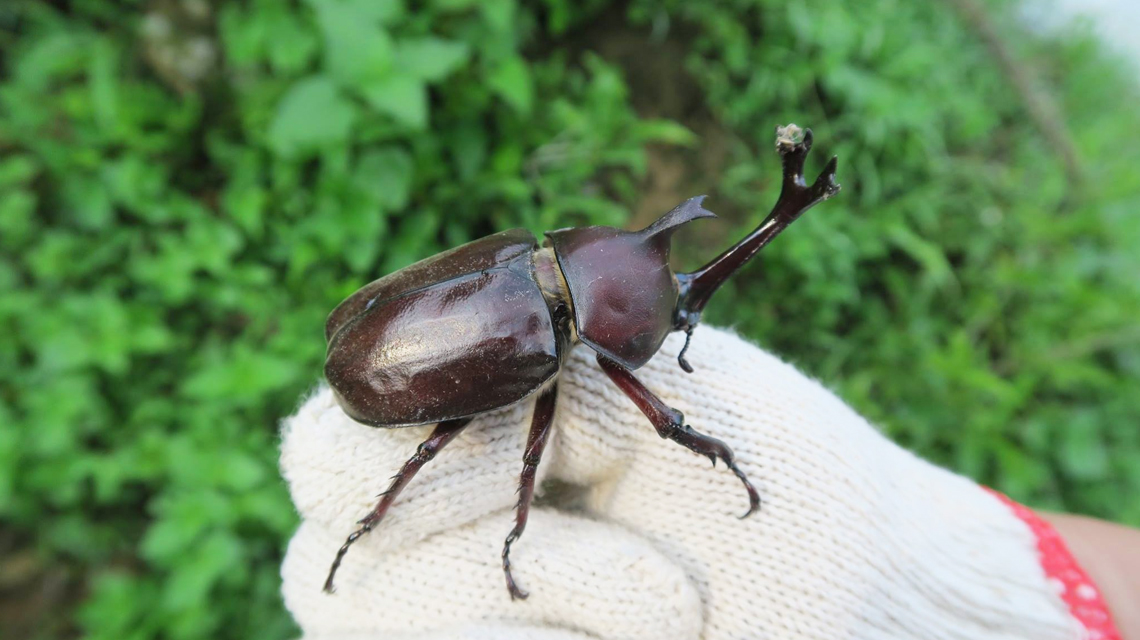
x=458, y=334
x=492, y=251
x=623, y=291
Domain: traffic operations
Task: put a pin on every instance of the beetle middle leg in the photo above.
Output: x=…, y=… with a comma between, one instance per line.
x=535, y=443
x=444, y=433
x=670, y=424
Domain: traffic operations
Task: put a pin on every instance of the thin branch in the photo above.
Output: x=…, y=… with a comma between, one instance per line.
x=1042, y=109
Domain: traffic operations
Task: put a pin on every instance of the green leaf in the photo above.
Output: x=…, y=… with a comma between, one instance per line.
x=17, y=215
x=923, y=251
x=103, y=81
x=452, y=6
x=242, y=33
x=17, y=169
x=88, y=201
x=371, y=11
x=115, y=606
x=412, y=240
x=357, y=48
x=205, y=564
x=240, y=376
x=311, y=116
x=238, y=471
x=430, y=59
x=511, y=81
x=499, y=14
x=387, y=174
x=400, y=96
x=9, y=456
x=48, y=58
x=469, y=150
x=245, y=203
x=1084, y=454
x=291, y=43
x=665, y=131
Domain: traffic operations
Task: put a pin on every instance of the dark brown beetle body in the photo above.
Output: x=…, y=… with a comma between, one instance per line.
x=489, y=324
x=470, y=330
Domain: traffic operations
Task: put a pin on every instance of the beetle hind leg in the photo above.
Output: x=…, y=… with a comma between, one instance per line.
x=444, y=433
x=670, y=424
x=532, y=455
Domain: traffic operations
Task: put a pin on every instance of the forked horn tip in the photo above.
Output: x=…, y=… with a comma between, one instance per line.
x=827, y=176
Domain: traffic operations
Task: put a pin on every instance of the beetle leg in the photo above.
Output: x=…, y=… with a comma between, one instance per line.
x=444, y=433
x=535, y=443
x=670, y=424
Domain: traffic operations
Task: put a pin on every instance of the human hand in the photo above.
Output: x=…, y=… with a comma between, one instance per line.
x=856, y=538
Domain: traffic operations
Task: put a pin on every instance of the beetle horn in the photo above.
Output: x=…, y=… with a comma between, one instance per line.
x=687, y=211
x=796, y=196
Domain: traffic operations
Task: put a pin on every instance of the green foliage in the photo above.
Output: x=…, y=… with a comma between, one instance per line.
x=184, y=195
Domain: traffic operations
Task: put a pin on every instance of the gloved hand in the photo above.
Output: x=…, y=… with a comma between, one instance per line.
x=857, y=538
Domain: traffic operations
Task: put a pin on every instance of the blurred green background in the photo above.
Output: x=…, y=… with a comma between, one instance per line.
x=188, y=187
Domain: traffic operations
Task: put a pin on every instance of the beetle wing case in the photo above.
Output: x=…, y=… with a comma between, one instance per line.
x=623, y=291
x=444, y=339
x=484, y=253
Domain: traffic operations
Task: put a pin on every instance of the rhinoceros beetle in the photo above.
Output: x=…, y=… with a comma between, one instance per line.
x=489, y=324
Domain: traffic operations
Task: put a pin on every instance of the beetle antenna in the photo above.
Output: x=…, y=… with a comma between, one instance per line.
x=681, y=356
x=796, y=196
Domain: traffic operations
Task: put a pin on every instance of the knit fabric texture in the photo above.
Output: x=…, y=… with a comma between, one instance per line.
x=856, y=538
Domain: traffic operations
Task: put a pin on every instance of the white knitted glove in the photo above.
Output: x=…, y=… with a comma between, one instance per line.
x=856, y=538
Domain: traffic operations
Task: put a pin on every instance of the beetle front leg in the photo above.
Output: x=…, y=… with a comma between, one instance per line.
x=532, y=455
x=670, y=424
x=444, y=433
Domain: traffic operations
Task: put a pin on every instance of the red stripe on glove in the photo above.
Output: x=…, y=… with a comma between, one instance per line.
x=1075, y=587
